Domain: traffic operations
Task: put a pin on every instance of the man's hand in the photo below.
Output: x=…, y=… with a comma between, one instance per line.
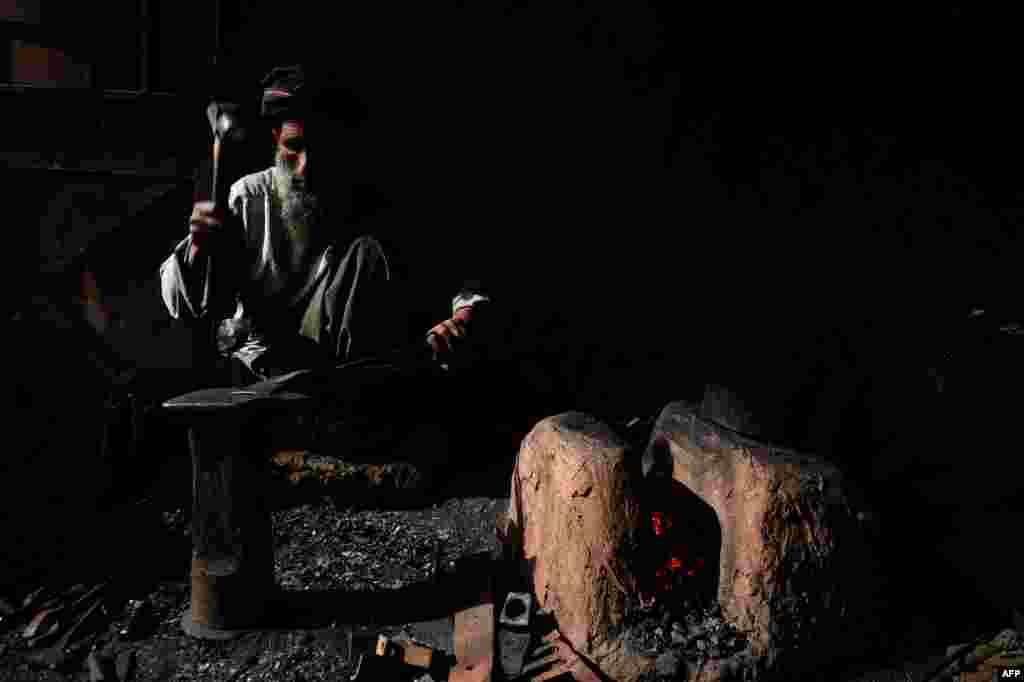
x=444, y=336
x=206, y=218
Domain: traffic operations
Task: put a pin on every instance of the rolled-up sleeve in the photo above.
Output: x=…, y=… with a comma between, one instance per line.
x=185, y=284
x=173, y=286
x=471, y=294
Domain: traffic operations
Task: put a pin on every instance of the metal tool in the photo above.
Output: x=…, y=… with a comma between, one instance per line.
x=514, y=635
x=385, y=658
x=56, y=655
x=225, y=121
x=554, y=658
x=226, y=126
x=373, y=668
x=517, y=611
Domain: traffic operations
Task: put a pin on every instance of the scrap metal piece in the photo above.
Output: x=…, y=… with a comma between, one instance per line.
x=514, y=632
x=435, y=564
x=512, y=649
x=134, y=625
x=35, y=626
x=100, y=668
x=378, y=665
x=555, y=657
x=380, y=657
x=54, y=656
x=517, y=611
x=370, y=667
x=544, y=661
x=408, y=653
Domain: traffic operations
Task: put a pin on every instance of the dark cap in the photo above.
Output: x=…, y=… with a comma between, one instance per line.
x=286, y=92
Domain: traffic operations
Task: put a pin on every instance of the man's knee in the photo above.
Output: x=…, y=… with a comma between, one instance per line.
x=361, y=268
x=368, y=250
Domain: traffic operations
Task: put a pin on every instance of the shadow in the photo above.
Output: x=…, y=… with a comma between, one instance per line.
x=127, y=548
x=912, y=538
x=475, y=476
x=418, y=603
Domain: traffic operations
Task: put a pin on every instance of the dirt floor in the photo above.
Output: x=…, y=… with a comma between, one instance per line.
x=117, y=584
x=321, y=550
x=350, y=553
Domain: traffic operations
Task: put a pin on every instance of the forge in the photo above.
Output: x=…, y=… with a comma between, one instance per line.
x=707, y=555
x=694, y=552
x=678, y=554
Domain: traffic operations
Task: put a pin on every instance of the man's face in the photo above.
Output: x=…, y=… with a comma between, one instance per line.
x=290, y=140
x=298, y=202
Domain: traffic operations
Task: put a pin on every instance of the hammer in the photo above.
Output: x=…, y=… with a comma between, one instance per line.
x=390, y=658
x=226, y=125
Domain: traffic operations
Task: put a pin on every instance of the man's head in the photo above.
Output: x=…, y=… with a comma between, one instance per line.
x=291, y=174
x=286, y=103
x=298, y=108
x=290, y=147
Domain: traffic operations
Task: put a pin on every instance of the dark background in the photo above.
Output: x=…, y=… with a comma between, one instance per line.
x=802, y=204
x=637, y=161
x=785, y=201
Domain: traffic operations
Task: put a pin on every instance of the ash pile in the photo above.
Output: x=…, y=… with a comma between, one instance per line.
x=685, y=636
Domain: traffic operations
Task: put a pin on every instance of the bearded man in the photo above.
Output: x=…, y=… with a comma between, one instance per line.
x=311, y=292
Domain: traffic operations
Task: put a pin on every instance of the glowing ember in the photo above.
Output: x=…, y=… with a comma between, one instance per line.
x=676, y=562
x=661, y=522
x=681, y=543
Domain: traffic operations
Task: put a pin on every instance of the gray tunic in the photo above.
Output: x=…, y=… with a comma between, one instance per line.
x=270, y=291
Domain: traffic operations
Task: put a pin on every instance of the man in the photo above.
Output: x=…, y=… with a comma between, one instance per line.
x=283, y=263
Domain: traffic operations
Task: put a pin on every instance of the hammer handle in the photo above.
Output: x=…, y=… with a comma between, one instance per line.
x=408, y=653
x=417, y=656
x=218, y=191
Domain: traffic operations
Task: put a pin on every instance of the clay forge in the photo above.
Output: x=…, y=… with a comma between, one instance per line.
x=701, y=555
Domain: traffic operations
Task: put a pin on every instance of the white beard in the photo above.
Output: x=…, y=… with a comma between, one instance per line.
x=299, y=206
x=299, y=211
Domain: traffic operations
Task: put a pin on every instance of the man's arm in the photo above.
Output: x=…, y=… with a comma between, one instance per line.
x=470, y=294
x=188, y=286
x=466, y=307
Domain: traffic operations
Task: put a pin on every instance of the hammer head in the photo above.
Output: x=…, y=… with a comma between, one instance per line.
x=225, y=121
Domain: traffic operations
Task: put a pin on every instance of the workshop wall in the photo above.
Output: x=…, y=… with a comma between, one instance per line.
x=620, y=177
